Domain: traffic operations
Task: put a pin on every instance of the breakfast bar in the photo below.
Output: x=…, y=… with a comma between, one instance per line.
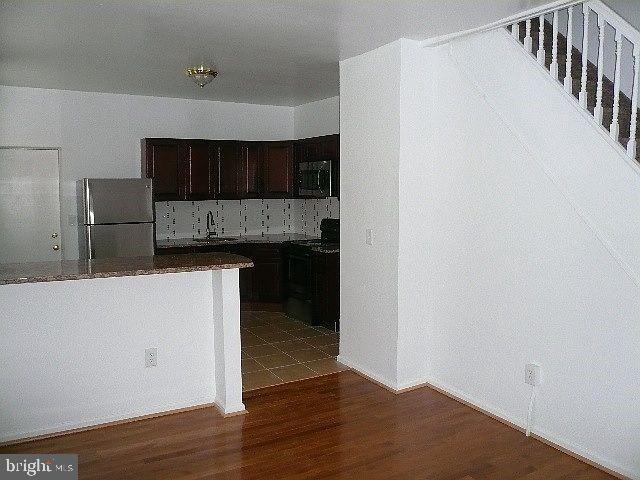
x=89, y=342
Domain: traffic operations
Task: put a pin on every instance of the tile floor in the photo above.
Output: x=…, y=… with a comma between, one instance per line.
x=277, y=349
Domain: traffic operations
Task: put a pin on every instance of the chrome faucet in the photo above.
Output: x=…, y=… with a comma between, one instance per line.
x=210, y=222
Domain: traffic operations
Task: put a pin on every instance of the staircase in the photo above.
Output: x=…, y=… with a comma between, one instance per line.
x=566, y=56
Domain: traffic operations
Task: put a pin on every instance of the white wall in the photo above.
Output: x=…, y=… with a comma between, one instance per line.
x=369, y=152
x=317, y=118
x=533, y=258
x=416, y=124
x=99, y=134
x=627, y=9
x=72, y=356
x=385, y=120
x=514, y=231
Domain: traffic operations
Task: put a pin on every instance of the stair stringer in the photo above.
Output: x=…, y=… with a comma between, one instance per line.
x=591, y=170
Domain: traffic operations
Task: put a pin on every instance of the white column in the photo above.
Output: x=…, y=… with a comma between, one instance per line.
x=597, y=113
x=554, y=51
x=568, y=80
x=226, y=333
x=631, y=146
x=614, y=129
x=528, y=42
x=541, y=53
x=585, y=59
x=515, y=31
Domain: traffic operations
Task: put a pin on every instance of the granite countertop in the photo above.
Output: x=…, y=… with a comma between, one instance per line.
x=269, y=238
x=32, y=272
x=325, y=249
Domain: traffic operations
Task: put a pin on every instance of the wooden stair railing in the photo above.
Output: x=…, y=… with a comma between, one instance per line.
x=558, y=41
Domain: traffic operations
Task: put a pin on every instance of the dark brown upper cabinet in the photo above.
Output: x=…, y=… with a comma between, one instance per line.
x=227, y=169
x=277, y=168
x=230, y=169
x=250, y=169
x=316, y=149
x=197, y=169
x=161, y=162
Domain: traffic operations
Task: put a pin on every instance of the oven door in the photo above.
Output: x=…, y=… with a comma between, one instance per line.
x=299, y=275
x=315, y=179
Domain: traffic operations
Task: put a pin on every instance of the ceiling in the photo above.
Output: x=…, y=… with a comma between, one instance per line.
x=277, y=52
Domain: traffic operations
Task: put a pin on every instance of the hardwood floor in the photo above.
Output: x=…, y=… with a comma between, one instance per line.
x=336, y=426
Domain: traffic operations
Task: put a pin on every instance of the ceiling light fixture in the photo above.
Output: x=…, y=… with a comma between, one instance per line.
x=201, y=75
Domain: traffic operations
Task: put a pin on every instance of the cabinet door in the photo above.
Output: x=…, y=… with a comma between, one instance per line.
x=330, y=147
x=312, y=150
x=278, y=169
x=250, y=169
x=161, y=162
x=325, y=290
x=228, y=169
x=263, y=282
x=197, y=170
x=268, y=281
x=246, y=285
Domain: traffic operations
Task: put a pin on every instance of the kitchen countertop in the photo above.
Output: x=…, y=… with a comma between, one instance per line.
x=269, y=238
x=32, y=272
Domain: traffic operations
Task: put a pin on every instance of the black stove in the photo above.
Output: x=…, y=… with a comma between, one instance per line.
x=304, y=263
x=329, y=236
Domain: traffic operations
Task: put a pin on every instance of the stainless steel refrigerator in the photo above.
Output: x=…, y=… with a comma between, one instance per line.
x=115, y=217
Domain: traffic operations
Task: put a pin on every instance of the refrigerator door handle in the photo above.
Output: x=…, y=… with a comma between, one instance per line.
x=90, y=250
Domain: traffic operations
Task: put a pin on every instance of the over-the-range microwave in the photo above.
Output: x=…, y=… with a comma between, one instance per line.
x=314, y=179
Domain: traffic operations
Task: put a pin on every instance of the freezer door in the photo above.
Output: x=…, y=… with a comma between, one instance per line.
x=116, y=200
x=120, y=240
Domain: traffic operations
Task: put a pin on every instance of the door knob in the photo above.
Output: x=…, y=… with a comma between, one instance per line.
x=56, y=247
x=54, y=235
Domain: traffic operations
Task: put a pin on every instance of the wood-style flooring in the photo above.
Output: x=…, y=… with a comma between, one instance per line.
x=335, y=426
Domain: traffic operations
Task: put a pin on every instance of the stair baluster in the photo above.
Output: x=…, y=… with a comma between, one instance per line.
x=614, y=129
x=597, y=112
x=594, y=84
x=528, y=42
x=631, y=146
x=568, y=80
x=585, y=59
x=541, y=53
x=554, y=50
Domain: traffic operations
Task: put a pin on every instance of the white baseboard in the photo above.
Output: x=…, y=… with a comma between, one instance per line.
x=229, y=410
x=103, y=421
x=376, y=378
x=492, y=411
x=546, y=437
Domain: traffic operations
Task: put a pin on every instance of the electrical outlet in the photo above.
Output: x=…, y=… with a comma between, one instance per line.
x=532, y=374
x=368, y=238
x=151, y=357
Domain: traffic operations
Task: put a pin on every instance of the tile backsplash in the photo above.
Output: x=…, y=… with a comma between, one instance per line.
x=244, y=217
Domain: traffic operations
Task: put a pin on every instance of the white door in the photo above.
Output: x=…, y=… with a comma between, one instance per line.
x=29, y=205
